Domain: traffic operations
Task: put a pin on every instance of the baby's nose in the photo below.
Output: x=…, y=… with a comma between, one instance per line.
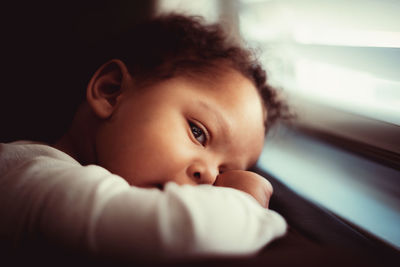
x=202, y=174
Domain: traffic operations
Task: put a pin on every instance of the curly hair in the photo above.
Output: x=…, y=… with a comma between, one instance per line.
x=170, y=45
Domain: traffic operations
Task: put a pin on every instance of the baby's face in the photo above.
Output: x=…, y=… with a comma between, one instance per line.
x=183, y=130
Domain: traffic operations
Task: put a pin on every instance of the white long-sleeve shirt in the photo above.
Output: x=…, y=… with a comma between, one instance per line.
x=45, y=192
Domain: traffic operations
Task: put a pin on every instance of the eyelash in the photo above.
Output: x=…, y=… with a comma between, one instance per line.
x=202, y=131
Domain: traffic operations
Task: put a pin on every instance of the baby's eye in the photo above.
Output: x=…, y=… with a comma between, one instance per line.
x=198, y=133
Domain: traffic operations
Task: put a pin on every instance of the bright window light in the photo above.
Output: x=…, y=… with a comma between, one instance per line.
x=349, y=89
x=345, y=54
x=307, y=35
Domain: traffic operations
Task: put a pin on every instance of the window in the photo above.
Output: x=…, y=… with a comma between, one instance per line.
x=341, y=53
x=338, y=61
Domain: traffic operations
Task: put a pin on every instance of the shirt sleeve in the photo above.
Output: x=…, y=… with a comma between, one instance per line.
x=90, y=209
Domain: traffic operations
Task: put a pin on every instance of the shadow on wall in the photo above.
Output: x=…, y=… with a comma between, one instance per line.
x=44, y=60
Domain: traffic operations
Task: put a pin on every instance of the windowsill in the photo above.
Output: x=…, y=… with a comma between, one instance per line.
x=372, y=138
x=360, y=190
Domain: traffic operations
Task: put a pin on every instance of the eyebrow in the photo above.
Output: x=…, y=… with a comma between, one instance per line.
x=221, y=121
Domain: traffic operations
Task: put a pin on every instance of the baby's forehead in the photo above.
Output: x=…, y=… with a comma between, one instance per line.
x=226, y=86
x=215, y=77
x=227, y=82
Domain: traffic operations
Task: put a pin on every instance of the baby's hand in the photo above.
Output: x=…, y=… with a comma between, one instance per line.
x=249, y=182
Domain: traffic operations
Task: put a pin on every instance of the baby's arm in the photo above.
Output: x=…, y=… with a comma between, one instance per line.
x=185, y=221
x=249, y=182
x=89, y=209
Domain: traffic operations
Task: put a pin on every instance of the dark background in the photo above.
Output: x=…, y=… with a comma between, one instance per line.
x=45, y=68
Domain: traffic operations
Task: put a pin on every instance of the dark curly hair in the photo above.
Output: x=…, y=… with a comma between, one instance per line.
x=170, y=45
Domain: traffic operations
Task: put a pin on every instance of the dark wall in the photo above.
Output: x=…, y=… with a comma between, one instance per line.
x=44, y=64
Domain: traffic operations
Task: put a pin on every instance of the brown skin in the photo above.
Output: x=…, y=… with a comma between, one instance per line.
x=249, y=182
x=189, y=130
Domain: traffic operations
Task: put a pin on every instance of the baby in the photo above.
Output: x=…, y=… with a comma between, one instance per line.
x=155, y=162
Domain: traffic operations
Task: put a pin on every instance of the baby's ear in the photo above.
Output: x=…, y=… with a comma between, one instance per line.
x=105, y=87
